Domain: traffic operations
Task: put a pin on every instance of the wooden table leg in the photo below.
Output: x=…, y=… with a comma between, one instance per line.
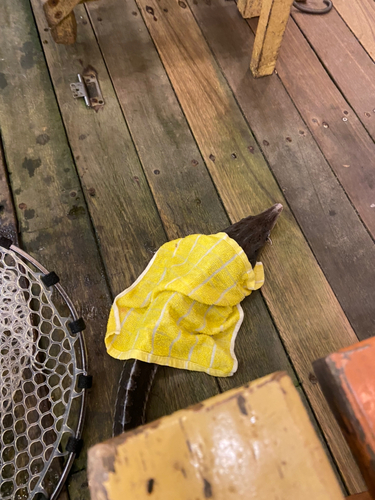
x=249, y=8
x=274, y=15
x=66, y=31
x=61, y=19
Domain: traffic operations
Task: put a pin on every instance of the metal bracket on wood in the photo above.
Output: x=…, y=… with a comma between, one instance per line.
x=88, y=88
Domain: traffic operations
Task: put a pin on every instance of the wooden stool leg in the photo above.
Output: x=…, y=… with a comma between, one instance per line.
x=249, y=8
x=60, y=18
x=273, y=19
x=274, y=15
x=65, y=32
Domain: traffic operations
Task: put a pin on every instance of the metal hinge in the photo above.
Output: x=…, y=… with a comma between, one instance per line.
x=88, y=88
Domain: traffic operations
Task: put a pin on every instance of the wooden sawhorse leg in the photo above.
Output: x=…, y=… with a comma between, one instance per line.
x=273, y=18
x=61, y=19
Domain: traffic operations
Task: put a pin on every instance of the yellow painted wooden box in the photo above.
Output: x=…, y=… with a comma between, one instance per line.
x=255, y=442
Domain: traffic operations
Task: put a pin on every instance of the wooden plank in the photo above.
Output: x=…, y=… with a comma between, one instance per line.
x=183, y=191
x=208, y=451
x=8, y=221
x=346, y=61
x=308, y=315
x=321, y=438
x=54, y=224
x=341, y=136
x=359, y=15
x=123, y=211
x=78, y=486
x=9, y=229
x=347, y=378
x=274, y=15
x=360, y=496
x=335, y=233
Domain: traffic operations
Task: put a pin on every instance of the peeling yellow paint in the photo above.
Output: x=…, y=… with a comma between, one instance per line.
x=255, y=442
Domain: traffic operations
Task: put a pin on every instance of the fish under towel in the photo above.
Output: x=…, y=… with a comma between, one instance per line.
x=184, y=310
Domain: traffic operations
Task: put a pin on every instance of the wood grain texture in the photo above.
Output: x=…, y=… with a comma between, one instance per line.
x=57, y=10
x=342, y=138
x=335, y=233
x=307, y=315
x=9, y=229
x=66, y=31
x=347, y=379
x=346, y=61
x=122, y=208
x=359, y=15
x=274, y=15
x=55, y=227
x=183, y=190
x=249, y=8
x=8, y=221
x=360, y=496
x=255, y=442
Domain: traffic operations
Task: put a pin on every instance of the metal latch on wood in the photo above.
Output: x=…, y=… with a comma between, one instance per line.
x=88, y=88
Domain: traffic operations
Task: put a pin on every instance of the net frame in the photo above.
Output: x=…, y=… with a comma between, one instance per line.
x=42, y=422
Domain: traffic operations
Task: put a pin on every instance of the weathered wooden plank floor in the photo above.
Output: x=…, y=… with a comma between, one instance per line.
x=187, y=142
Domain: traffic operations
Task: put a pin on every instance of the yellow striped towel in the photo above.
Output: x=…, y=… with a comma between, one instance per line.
x=184, y=311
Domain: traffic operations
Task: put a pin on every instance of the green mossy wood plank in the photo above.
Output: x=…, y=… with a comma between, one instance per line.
x=123, y=212
x=183, y=190
x=341, y=137
x=54, y=224
x=306, y=312
x=346, y=61
x=9, y=229
x=332, y=227
x=78, y=486
x=121, y=205
x=8, y=221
